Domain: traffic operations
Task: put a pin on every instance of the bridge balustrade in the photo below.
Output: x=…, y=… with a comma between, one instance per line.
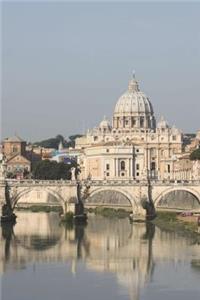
x=28, y=182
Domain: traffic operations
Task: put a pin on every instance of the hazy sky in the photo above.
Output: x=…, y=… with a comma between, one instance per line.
x=65, y=65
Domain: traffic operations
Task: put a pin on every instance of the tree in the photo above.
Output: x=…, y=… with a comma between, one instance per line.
x=54, y=142
x=195, y=155
x=51, y=170
x=72, y=139
x=51, y=142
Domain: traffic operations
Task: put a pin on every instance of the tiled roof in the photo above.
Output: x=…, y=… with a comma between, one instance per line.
x=14, y=139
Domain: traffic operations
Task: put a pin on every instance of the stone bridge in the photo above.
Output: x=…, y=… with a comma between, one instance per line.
x=183, y=195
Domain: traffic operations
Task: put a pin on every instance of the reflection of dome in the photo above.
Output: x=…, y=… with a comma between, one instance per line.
x=133, y=109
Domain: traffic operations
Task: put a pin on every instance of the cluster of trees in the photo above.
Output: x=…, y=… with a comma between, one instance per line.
x=54, y=142
x=51, y=170
x=195, y=155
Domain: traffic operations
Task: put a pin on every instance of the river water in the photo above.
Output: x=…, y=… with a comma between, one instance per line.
x=108, y=259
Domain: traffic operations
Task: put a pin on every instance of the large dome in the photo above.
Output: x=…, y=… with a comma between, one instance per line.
x=133, y=109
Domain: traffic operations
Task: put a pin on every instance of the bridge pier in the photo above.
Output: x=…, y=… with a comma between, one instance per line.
x=69, y=207
x=2, y=196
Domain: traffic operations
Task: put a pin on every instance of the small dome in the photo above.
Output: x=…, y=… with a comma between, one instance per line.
x=162, y=123
x=105, y=124
x=198, y=134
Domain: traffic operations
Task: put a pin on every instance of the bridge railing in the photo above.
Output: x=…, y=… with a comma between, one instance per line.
x=40, y=182
x=114, y=182
x=143, y=182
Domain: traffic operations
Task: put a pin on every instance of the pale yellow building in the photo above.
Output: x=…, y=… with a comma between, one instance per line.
x=133, y=146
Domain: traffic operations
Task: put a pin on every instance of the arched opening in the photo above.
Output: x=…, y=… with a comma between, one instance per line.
x=38, y=199
x=179, y=199
x=109, y=198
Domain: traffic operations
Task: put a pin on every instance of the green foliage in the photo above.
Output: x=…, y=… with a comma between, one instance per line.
x=195, y=155
x=68, y=217
x=51, y=142
x=110, y=212
x=51, y=170
x=71, y=142
x=54, y=142
x=168, y=221
x=41, y=208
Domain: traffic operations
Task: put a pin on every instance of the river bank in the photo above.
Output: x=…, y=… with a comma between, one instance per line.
x=174, y=222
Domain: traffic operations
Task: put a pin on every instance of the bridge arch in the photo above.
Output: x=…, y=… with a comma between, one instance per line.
x=19, y=194
x=185, y=191
x=127, y=199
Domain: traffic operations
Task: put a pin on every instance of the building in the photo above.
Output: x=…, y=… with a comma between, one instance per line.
x=14, y=151
x=184, y=167
x=65, y=155
x=132, y=146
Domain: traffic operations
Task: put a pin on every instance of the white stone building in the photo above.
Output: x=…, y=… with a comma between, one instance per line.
x=132, y=147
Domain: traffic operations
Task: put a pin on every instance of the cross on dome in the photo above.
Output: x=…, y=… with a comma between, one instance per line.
x=133, y=74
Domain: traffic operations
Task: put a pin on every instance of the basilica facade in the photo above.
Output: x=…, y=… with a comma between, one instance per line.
x=133, y=145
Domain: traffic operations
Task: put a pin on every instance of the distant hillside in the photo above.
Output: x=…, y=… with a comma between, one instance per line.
x=54, y=142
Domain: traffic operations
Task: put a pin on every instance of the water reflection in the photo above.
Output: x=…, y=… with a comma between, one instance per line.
x=130, y=252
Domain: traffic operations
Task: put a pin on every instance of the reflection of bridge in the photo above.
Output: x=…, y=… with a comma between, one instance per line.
x=115, y=193
x=126, y=250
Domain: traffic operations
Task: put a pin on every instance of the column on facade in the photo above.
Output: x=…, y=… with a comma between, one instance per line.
x=103, y=175
x=148, y=159
x=117, y=167
x=157, y=162
x=145, y=160
x=130, y=168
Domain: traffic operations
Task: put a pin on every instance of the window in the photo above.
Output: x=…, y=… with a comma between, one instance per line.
x=141, y=121
x=107, y=150
x=133, y=122
x=137, y=166
x=122, y=174
x=95, y=138
x=153, y=165
x=107, y=167
x=168, y=168
x=137, y=174
x=14, y=149
x=174, y=138
x=137, y=150
x=107, y=174
x=122, y=165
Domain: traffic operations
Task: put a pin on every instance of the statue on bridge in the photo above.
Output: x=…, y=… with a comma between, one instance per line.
x=148, y=204
x=75, y=173
x=2, y=167
x=7, y=213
